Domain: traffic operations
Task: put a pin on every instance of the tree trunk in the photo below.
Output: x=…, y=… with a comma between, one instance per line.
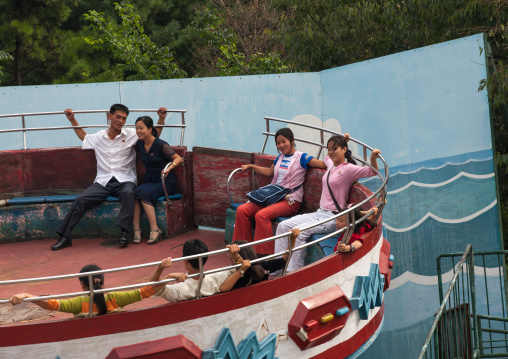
x=17, y=62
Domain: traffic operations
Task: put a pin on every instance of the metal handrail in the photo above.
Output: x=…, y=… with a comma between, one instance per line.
x=151, y=264
x=289, y=251
x=25, y=129
x=229, y=183
x=459, y=269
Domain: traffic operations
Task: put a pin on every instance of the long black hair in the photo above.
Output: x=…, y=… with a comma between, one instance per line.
x=98, y=282
x=340, y=141
x=359, y=215
x=147, y=120
x=255, y=273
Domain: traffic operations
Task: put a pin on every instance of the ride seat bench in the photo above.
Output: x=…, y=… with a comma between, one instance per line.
x=38, y=217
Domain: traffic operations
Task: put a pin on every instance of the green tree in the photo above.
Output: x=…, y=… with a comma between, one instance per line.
x=232, y=37
x=30, y=33
x=140, y=57
x=4, y=56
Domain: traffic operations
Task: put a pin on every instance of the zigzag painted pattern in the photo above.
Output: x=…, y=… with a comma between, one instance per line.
x=249, y=347
x=368, y=292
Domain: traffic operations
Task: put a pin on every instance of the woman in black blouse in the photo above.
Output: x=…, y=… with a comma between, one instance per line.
x=155, y=154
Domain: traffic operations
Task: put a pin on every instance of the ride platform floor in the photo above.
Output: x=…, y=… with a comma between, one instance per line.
x=34, y=259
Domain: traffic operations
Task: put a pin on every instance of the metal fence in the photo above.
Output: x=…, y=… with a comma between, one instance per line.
x=472, y=319
x=25, y=129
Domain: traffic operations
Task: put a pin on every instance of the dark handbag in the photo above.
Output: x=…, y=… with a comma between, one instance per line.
x=268, y=195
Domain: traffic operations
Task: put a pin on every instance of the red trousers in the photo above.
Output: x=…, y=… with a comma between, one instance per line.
x=263, y=217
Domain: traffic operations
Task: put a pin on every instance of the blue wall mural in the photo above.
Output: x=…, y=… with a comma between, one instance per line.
x=422, y=108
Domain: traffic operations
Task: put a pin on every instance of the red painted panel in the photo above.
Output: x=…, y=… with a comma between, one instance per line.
x=311, y=310
x=263, y=161
x=385, y=266
x=211, y=171
x=347, y=348
x=358, y=193
x=57, y=171
x=71, y=169
x=175, y=347
x=312, y=190
x=179, y=218
x=12, y=165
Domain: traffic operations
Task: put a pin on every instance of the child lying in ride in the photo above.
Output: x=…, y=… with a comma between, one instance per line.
x=102, y=302
x=255, y=272
x=356, y=241
x=186, y=288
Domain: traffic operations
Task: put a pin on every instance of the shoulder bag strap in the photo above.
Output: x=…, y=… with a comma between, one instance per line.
x=330, y=190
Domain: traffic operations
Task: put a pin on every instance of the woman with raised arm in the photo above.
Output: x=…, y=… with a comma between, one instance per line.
x=155, y=154
x=102, y=302
x=341, y=174
x=288, y=170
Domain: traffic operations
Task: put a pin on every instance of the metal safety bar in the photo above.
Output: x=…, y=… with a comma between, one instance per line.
x=151, y=264
x=24, y=129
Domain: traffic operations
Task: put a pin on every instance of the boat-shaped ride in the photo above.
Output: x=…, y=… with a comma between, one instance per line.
x=330, y=308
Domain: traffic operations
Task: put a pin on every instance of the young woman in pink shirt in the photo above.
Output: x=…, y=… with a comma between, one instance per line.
x=342, y=171
x=288, y=170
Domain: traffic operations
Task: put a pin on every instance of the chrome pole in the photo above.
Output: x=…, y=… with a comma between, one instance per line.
x=322, y=143
x=90, y=287
x=164, y=182
x=201, y=276
x=183, y=129
x=290, y=253
x=24, y=132
x=266, y=137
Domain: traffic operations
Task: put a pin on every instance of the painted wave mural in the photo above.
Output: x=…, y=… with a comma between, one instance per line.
x=437, y=206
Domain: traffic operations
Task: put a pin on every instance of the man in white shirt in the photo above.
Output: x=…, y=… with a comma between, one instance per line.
x=116, y=172
x=187, y=288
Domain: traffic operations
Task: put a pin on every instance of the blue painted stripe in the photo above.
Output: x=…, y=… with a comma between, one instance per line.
x=69, y=198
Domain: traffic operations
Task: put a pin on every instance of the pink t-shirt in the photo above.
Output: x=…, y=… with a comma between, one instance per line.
x=341, y=179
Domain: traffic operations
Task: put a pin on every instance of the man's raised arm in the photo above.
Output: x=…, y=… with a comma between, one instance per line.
x=162, y=119
x=79, y=131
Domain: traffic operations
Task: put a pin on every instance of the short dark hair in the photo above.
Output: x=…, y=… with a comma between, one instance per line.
x=119, y=107
x=193, y=247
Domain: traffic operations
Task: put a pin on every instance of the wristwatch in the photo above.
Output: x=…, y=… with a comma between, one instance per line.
x=242, y=272
x=352, y=248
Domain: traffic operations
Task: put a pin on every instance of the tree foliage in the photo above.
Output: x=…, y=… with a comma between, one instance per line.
x=140, y=57
x=30, y=33
x=236, y=38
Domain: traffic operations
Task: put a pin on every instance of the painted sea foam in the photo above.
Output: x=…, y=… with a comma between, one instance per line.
x=439, y=206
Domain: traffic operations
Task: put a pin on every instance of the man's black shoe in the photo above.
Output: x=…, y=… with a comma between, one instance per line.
x=124, y=242
x=62, y=243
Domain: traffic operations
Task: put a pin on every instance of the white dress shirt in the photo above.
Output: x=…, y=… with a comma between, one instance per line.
x=114, y=157
x=188, y=289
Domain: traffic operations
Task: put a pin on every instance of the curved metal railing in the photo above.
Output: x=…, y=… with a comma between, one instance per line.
x=351, y=222
x=25, y=129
